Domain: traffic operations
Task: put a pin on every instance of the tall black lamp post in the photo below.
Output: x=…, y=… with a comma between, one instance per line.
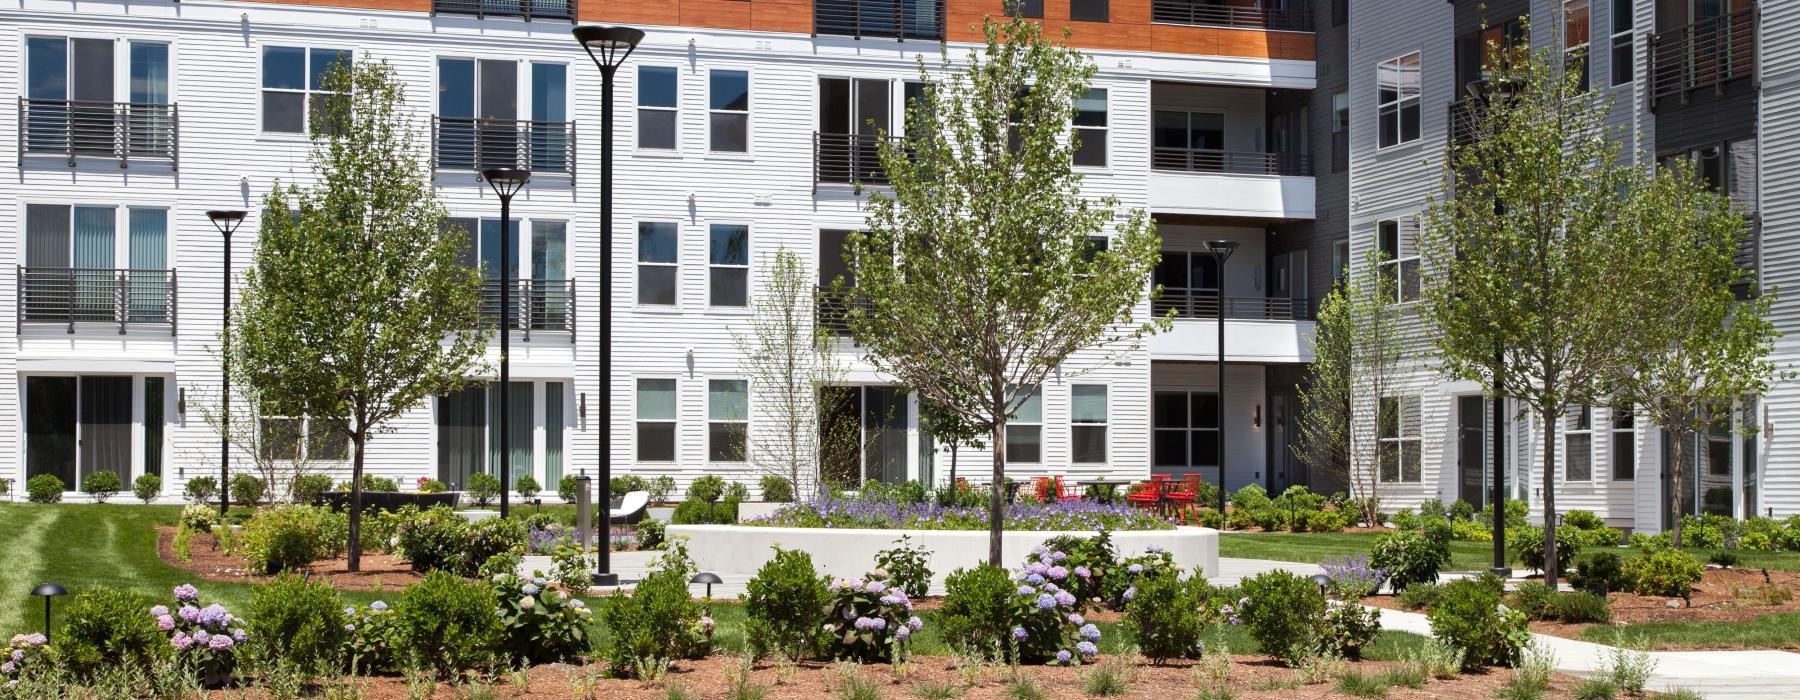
x=1221, y=252
x=1488, y=90
x=227, y=221
x=608, y=47
x=506, y=183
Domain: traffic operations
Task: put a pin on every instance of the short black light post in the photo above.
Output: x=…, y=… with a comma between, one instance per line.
x=48, y=591
x=227, y=221
x=506, y=183
x=608, y=47
x=1221, y=252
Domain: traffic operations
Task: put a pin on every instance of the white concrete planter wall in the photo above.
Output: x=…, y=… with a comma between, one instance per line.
x=758, y=509
x=844, y=553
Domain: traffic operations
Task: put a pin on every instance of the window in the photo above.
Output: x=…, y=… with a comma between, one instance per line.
x=1578, y=444
x=656, y=98
x=656, y=420
x=1340, y=260
x=729, y=265
x=1090, y=128
x=1718, y=443
x=657, y=243
x=1088, y=419
x=1186, y=426
x=1399, y=437
x=1187, y=141
x=1399, y=259
x=1088, y=10
x=1025, y=430
x=727, y=420
x=1624, y=444
x=1340, y=12
x=293, y=81
x=303, y=438
x=1575, y=38
x=1190, y=283
x=729, y=120
x=71, y=85
x=1030, y=9
x=1340, y=132
x=77, y=258
x=1624, y=59
x=1397, y=99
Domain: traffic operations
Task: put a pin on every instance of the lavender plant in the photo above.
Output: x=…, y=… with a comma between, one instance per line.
x=1353, y=577
x=830, y=512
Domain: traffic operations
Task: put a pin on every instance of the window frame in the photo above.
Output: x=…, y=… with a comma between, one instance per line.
x=1579, y=52
x=1103, y=425
x=1394, y=265
x=713, y=268
x=638, y=421
x=674, y=266
x=1578, y=424
x=1623, y=426
x=1399, y=106
x=712, y=422
x=749, y=90
x=1340, y=131
x=674, y=110
x=306, y=92
x=1013, y=421
x=1400, y=440
x=1100, y=11
x=1089, y=134
x=1189, y=430
x=304, y=442
x=1624, y=36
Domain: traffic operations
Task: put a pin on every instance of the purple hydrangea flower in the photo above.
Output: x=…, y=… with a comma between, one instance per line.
x=540, y=582
x=1083, y=572
x=1089, y=632
x=877, y=624
x=214, y=616
x=1039, y=550
x=159, y=610
x=8, y=668
x=889, y=600
x=1063, y=598
x=201, y=636
x=238, y=635
x=1026, y=590
x=529, y=589
x=1087, y=648
x=1034, y=579
x=902, y=634
x=187, y=593
x=1063, y=656
x=1154, y=549
x=1049, y=588
x=350, y=611
x=577, y=603
x=875, y=587
x=1037, y=568
x=349, y=628
x=1076, y=619
x=188, y=613
x=220, y=642
x=378, y=606
x=1045, y=601
x=863, y=623
x=181, y=641
x=165, y=623
x=1058, y=556
x=1057, y=573
x=18, y=655
x=1020, y=634
x=915, y=624
x=1130, y=593
x=1135, y=568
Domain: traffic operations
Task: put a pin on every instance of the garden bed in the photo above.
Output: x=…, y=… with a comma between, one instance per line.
x=209, y=562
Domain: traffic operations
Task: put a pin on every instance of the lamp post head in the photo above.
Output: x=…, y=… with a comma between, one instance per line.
x=49, y=590
x=608, y=46
x=506, y=181
x=1222, y=249
x=226, y=220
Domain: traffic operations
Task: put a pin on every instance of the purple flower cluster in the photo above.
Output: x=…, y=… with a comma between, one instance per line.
x=18, y=653
x=880, y=615
x=1052, y=627
x=208, y=635
x=1353, y=577
x=1061, y=515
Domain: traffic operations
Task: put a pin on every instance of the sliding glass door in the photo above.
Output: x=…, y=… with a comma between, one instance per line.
x=77, y=426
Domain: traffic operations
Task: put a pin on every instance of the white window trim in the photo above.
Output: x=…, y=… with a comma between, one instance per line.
x=638, y=265
x=1105, y=133
x=637, y=123
x=1105, y=425
x=749, y=122
x=121, y=62
x=305, y=132
x=1397, y=263
x=1039, y=423
x=121, y=226
x=1613, y=432
x=749, y=273
x=1583, y=47
x=675, y=422
x=749, y=409
x=1399, y=105
x=1401, y=440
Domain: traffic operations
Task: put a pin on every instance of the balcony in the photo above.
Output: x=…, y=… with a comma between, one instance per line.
x=848, y=159
x=1201, y=304
x=1464, y=120
x=832, y=309
x=463, y=143
x=543, y=305
x=525, y=9
x=882, y=19
x=1707, y=53
x=1204, y=13
x=1208, y=182
x=121, y=131
x=74, y=297
x=1208, y=160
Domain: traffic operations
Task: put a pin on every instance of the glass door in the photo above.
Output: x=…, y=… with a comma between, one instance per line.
x=1471, y=448
x=105, y=432
x=50, y=438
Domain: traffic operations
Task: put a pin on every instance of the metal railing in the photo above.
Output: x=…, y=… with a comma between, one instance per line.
x=1706, y=53
x=72, y=296
x=1465, y=120
x=466, y=143
x=526, y=9
x=832, y=309
x=1200, y=304
x=1207, y=160
x=888, y=19
x=121, y=130
x=1207, y=14
x=848, y=159
x=537, y=305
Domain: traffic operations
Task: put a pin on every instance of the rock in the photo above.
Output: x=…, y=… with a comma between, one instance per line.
x=1672, y=603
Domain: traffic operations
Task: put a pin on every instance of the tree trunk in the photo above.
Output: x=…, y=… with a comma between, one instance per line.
x=1680, y=438
x=952, y=467
x=358, y=438
x=1550, y=568
x=997, y=489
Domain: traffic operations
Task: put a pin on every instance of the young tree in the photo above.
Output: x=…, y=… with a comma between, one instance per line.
x=977, y=270
x=1697, y=348
x=275, y=449
x=951, y=430
x=1357, y=350
x=357, y=308
x=1523, y=251
x=789, y=361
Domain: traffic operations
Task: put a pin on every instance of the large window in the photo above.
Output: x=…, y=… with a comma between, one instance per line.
x=1181, y=140
x=96, y=263
x=304, y=438
x=293, y=82
x=1090, y=128
x=480, y=123
x=1399, y=256
x=1624, y=444
x=1401, y=449
x=1340, y=132
x=1087, y=423
x=1397, y=99
x=658, y=110
x=728, y=119
x=71, y=85
x=1578, y=444
x=727, y=420
x=1025, y=430
x=1186, y=424
x=1624, y=58
x=1576, y=26
x=656, y=401
x=657, y=262
x=728, y=266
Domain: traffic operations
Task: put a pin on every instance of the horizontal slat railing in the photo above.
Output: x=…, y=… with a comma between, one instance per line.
x=1206, y=14
x=833, y=308
x=72, y=296
x=461, y=143
x=1706, y=53
x=524, y=9
x=848, y=159
x=118, y=130
x=888, y=19
x=1207, y=160
x=1204, y=305
x=537, y=305
x=1464, y=120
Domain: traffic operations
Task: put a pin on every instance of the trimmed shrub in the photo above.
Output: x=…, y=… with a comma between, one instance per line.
x=1600, y=572
x=44, y=488
x=661, y=488
x=289, y=537
x=657, y=623
x=905, y=566
x=146, y=487
x=1419, y=596
x=1348, y=629
x=1664, y=572
x=493, y=546
x=101, y=485
x=204, y=638
x=699, y=512
x=539, y=625
x=650, y=533
x=450, y=624
x=626, y=483
x=977, y=608
x=526, y=486
x=306, y=488
x=567, y=487
x=298, y=621
x=483, y=487
x=378, y=484
x=246, y=489
x=1581, y=606
x=1468, y=615
x=785, y=605
x=777, y=489
x=1166, y=617
x=1325, y=520
x=1408, y=557
x=1461, y=511
x=1284, y=612
x=105, y=628
x=1724, y=558
x=869, y=620
x=200, y=489
x=1535, y=599
x=1527, y=545
x=430, y=539
x=426, y=484
x=709, y=488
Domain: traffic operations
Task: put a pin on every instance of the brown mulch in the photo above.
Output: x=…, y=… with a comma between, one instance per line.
x=707, y=679
x=210, y=563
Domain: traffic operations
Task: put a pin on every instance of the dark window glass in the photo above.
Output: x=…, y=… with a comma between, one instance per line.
x=1090, y=128
x=1624, y=456
x=1088, y=10
x=1205, y=410
x=729, y=283
x=656, y=86
x=284, y=112
x=1206, y=449
x=1032, y=9
x=656, y=442
x=1171, y=448
x=1171, y=409
x=725, y=442
x=284, y=68
x=1024, y=443
x=281, y=438
x=327, y=441
x=730, y=90
x=656, y=262
x=1089, y=444
x=730, y=132
x=1623, y=60
x=47, y=63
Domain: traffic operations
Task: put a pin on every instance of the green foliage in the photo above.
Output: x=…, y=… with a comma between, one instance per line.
x=1535, y=599
x=198, y=517
x=1349, y=628
x=1514, y=518
x=448, y=624
x=483, y=487
x=1527, y=546
x=200, y=489
x=101, y=485
x=526, y=486
x=709, y=488
x=493, y=546
x=785, y=604
x=429, y=485
x=1461, y=511
x=567, y=487
x=1469, y=616
x=537, y=624
x=1582, y=520
x=1724, y=558
x=146, y=487
x=1665, y=572
x=438, y=538
x=1409, y=557
x=299, y=622
x=290, y=537
x=650, y=533
x=661, y=488
x=699, y=512
x=247, y=489
x=657, y=623
x=1166, y=617
x=376, y=484
x=1595, y=689
x=1355, y=684
x=1108, y=678
x=374, y=643
x=906, y=566
x=626, y=483
x=108, y=627
x=1284, y=612
x=306, y=488
x=869, y=620
x=977, y=608
x=777, y=489
x=44, y=488
x=1581, y=606
x=1419, y=596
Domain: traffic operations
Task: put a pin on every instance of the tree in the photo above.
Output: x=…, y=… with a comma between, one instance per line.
x=1357, y=349
x=1697, y=348
x=788, y=361
x=279, y=454
x=357, y=308
x=1523, y=253
x=952, y=430
x=977, y=272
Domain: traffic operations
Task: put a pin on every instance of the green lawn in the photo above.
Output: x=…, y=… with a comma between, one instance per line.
x=1315, y=547
x=1781, y=631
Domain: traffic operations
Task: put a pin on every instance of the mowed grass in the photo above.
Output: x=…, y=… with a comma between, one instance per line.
x=1779, y=631
x=1315, y=547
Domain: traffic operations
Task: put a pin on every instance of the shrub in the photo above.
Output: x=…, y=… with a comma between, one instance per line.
x=1724, y=558
x=430, y=539
x=1461, y=511
x=101, y=485
x=1326, y=521
x=869, y=620
x=1031, y=615
x=378, y=484
x=657, y=623
x=1535, y=599
x=44, y=488
x=1419, y=596
x=1349, y=628
x=246, y=489
x=146, y=487
x=527, y=486
x=449, y=624
x=483, y=487
x=1582, y=520
x=426, y=484
x=626, y=483
x=1165, y=617
x=493, y=546
x=977, y=607
x=699, y=512
x=307, y=488
x=289, y=537
x=650, y=533
x=298, y=621
x=108, y=627
x=537, y=624
x=661, y=488
x=1284, y=612
x=777, y=489
x=1408, y=557
x=905, y=566
x=1404, y=519
x=1527, y=545
x=200, y=489
x=567, y=488
x=1665, y=572
x=1353, y=578
x=197, y=517
x=1468, y=615
x=1581, y=606
x=709, y=488
x=203, y=638
x=785, y=605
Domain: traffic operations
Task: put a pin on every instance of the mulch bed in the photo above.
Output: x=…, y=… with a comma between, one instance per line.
x=379, y=571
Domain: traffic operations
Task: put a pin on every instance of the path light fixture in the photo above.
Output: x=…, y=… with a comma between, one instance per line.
x=1322, y=581
x=1221, y=252
x=506, y=183
x=48, y=591
x=227, y=222
x=709, y=578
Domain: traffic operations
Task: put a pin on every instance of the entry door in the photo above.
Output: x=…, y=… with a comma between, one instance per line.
x=1471, y=448
x=105, y=437
x=852, y=114
x=1287, y=280
x=1284, y=468
x=884, y=434
x=462, y=435
x=50, y=427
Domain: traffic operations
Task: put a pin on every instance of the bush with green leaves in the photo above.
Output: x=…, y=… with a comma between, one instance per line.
x=777, y=489
x=539, y=624
x=430, y=539
x=44, y=488
x=1419, y=596
x=247, y=489
x=785, y=606
x=1284, y=612
x=659, y=622
x=626, y=483
x=1600, y=572
x=107, y=627
x=146, y=487
x=373, y=643
x=1516, y=511
x=1575, y=607
x=200, y=489
x=376, y=484
x=1094, y=561
x=1461, y=511
x=101, y=485
x=661, y=488
x=448, y=624
x=306, y=488
x=1664, y=572
x=698, y=512
x=1029, y=615
x=1534, y=598
x=198, y=517
x=650, y=533
x=526, y=486
x=297, y=621
x=567, y=487
x=1127, y=572
x=869, y=620
x=977, y=607
x=1469, y=616
x=906, y=566
x=1348, y=629
x=290, y=537
x=1408, y=557
x=1167, y=616
x=1325, y=521
x=493, y=546
x=483, y=488
x=426, y=484
x=1353, y=578
x=1527, y=546
x=709, y=488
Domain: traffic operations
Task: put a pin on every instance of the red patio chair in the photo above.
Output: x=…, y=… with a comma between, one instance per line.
x=1072, y=492
x=1145, y=494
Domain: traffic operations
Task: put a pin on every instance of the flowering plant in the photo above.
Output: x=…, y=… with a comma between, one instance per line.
x=427, y=484
x=371, y=631
x=538, y=624
x=1117, y=590
x=205, y=637
x=870, y=620
x=20, y=653
x=1353, y=577
x=894, y=514
x=1047, y=622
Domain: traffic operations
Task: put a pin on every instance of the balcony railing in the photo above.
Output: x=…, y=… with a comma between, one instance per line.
x=832, y=309
x=1208, y=14
x=119, y=130
x=1465, y=120
x=848, y=159
x=537, y=305
x=1207, y=160
x=1706, y=53
x=887, y=19
x=71, y=296
x=1195, y=304
x=463, y=143
x=526, y=9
